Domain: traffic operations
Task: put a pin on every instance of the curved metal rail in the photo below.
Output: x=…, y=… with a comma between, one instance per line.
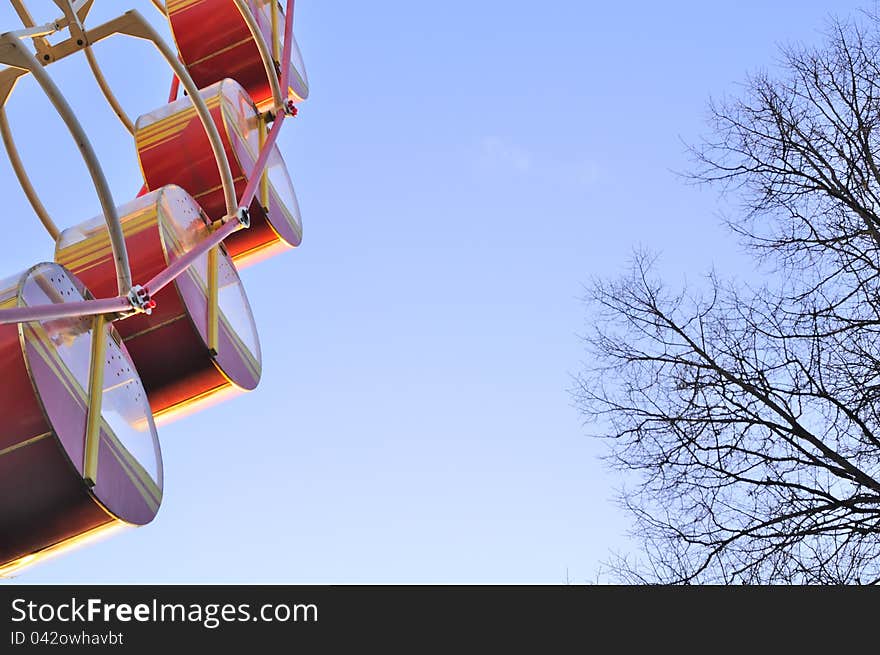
x=107, y=91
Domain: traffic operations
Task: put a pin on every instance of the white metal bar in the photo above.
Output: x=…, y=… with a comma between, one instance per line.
x=107, y=91
x=268, y=63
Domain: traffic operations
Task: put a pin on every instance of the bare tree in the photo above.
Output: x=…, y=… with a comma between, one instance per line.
x=750, y=418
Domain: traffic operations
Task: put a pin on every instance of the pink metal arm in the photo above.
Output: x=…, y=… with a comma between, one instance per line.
x=64, y=310
x=175, y=89
x=254, y=182
x=180, y=264
x=288, y=45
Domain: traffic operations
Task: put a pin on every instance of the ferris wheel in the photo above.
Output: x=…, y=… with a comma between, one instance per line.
x=141, y=316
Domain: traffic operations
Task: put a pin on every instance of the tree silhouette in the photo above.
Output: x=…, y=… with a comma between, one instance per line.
x=750, y=417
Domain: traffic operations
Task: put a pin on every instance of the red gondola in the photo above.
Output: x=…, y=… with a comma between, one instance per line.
x=46, y=505
x=181, y=369
x=214, y=43
x=173, y=149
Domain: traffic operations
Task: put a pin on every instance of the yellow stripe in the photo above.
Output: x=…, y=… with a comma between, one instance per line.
x=219, y=187
x=153, y=328
x=131, y=224
x=221, y=51
x=98, y=246
x=174, y=6
x=26, y=443
x=168, y=128
x=167, y=122
x=187, y=113
x=84, y=269
x=149, y=142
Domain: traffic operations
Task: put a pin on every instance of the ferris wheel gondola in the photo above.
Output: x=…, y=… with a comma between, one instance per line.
x=58, y=486
x=233, y=38
x=165, y=326
x=184, y=367
x=173, y=149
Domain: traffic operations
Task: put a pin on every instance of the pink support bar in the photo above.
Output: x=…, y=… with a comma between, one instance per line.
x=254, y=181
x=256, y=175
x=173, y=271
x=288, y=46
x=175, y=89
x=178, y=266
x=64, y=310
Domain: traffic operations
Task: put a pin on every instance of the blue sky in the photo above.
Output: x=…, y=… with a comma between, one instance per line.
x=463, y=169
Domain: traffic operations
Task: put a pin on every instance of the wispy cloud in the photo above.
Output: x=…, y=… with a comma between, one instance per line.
x=587, y=173
x=502, y=156
x=498, y=153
